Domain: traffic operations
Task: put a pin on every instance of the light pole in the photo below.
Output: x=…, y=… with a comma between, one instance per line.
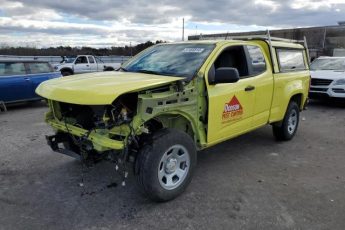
x=182, y=29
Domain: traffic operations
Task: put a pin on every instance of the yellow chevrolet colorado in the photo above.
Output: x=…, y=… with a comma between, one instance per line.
x=171, y=100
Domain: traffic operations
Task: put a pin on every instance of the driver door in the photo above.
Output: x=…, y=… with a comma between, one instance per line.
x=81, y=65
x=231, y=105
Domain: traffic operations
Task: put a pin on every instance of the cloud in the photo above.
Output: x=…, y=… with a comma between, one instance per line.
x=115, y=22
x=316, y=5
x=273, y=6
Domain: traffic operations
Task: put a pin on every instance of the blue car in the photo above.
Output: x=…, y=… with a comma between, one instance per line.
x=19, y=79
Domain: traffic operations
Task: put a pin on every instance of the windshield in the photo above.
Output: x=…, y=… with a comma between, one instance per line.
x=328, y=64
x=181, y=60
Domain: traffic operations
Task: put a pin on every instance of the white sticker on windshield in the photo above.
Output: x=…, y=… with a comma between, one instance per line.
x=193, y=50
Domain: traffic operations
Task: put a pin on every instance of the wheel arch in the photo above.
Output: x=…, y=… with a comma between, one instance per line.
x=298, y=98
x=295, y=97
x=178, y=121
x=67, y=69
x=108, y=68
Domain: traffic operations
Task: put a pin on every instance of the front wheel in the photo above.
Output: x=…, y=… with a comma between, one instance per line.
x=66, y=73
x=287, y=129
x=166, y=165
x=109, y=69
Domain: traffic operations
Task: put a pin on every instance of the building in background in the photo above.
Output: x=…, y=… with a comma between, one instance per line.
x=322, y=41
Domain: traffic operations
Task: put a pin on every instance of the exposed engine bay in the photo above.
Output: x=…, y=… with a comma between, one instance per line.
x=100, y=119
x=117, y=132
x=90, y=117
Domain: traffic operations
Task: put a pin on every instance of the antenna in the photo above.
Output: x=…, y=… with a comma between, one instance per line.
x=226, y=36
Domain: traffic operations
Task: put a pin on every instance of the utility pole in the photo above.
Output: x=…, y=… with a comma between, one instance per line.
x=182, y=29
x=130, y=45
x=324, y=39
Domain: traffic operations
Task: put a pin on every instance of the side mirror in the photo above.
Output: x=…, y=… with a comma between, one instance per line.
x=225, y=75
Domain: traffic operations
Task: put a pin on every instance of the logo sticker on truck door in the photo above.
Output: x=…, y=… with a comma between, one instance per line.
x=232, y=110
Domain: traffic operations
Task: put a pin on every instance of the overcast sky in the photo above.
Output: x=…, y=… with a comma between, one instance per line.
x=105, y=23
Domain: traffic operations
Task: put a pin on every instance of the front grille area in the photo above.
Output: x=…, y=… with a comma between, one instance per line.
x=323, y=82
x=338, y=90
x=318, y=89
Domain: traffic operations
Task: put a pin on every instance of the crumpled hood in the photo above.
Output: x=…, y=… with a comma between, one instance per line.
x=99, y=88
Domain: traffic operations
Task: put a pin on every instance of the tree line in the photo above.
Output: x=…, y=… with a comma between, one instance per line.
x=73, y=51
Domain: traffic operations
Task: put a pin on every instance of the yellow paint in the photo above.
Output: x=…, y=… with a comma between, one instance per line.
x=266, y=104
x=286, y=86
x=101, y=141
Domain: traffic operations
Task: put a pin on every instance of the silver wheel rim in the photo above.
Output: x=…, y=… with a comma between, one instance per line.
x=292, y=122
x=173, y=168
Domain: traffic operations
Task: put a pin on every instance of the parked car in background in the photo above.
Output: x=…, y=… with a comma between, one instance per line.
x=19, y=79
x=84, y=64
x=328, y=77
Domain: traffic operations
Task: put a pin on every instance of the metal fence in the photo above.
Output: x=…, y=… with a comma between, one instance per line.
x=57, y=59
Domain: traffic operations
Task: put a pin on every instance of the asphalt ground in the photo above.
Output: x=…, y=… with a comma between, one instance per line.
x=250, y=182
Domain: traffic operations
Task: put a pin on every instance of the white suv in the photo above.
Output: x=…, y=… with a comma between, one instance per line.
x=328, y=77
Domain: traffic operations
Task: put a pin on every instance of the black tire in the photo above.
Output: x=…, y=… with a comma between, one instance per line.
x=149, y=163
x=66, y=73
x=109, y=69
x=283, y=131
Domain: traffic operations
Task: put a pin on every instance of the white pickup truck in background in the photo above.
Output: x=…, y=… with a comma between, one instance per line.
x=84, y=64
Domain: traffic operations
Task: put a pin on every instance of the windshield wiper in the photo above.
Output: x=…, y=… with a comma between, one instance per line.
x=122, y=68
x=155, y=72
x=148, y=71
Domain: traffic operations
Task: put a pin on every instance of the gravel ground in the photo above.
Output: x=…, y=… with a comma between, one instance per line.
x=250, y=182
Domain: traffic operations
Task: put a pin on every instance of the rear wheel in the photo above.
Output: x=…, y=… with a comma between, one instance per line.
x=166, y=166
x=286, y=130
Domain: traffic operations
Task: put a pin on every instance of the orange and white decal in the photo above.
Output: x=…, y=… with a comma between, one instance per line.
x=232, y=110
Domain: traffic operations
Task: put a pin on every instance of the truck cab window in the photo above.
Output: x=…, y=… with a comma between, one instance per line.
x=91, y=60
x=81, y=60
x=291, y=60
x=248, y=60
x=234, y=57
x=256, y=60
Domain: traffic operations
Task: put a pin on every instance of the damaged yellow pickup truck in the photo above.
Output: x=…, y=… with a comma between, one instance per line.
x=171, y=100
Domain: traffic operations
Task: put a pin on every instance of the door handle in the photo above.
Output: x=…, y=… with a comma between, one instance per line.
x=87, y=65
x=27, y=79
x=249, y=88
